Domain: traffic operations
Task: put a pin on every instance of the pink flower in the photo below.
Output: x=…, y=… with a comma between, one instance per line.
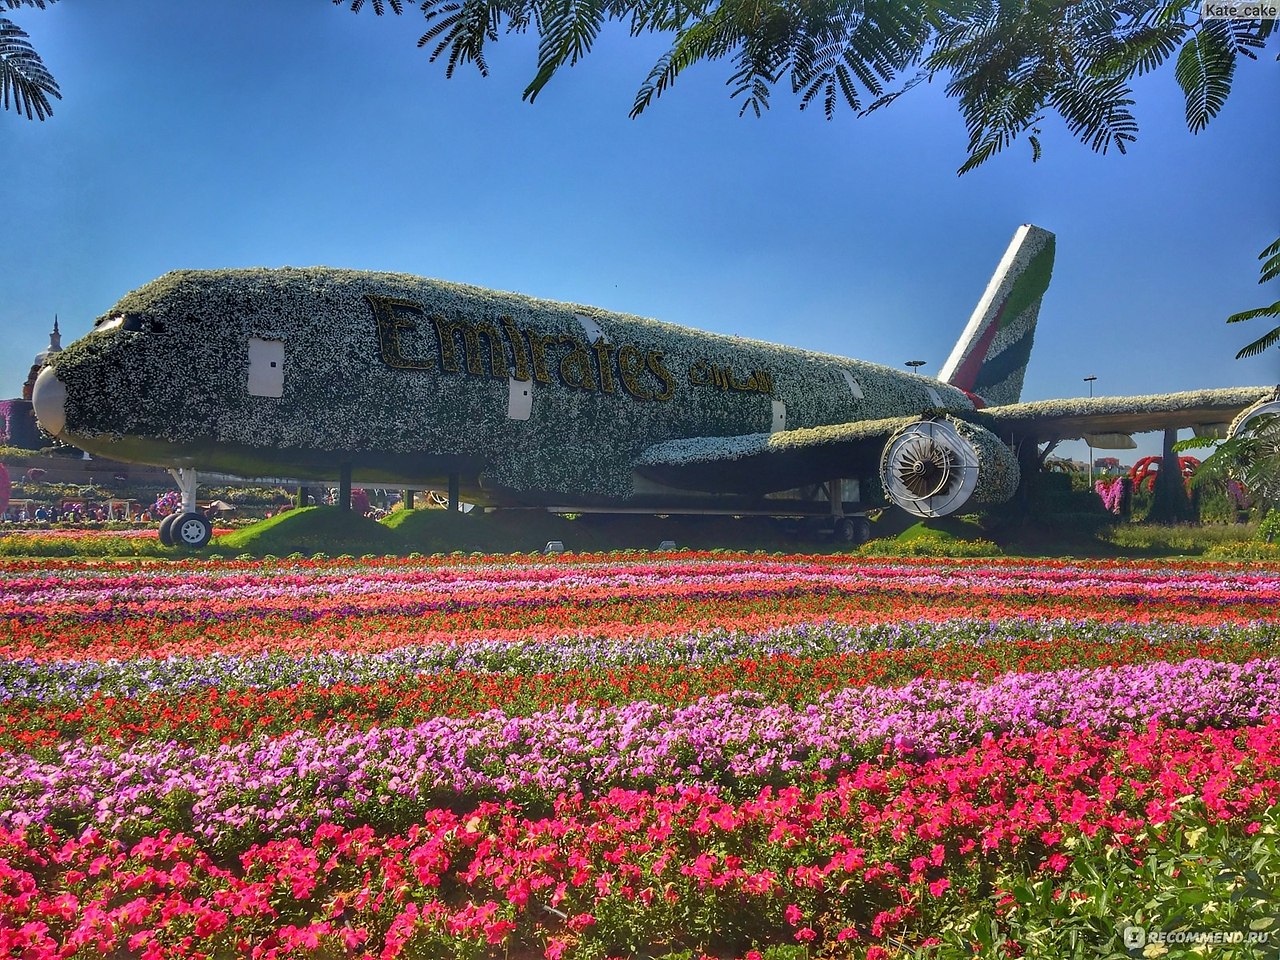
x=939, y=887
x=793, y=914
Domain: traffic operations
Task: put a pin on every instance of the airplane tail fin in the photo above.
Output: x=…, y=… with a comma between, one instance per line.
x=990, y=358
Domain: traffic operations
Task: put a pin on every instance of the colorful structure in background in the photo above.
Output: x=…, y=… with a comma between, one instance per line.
x=1116, y=494
x=1143, y=473
x=18, y=426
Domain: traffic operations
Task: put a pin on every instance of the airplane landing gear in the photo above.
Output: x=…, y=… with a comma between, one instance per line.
x=166, y=529
x=187, y=527
x=191, y=530
x=854, y=531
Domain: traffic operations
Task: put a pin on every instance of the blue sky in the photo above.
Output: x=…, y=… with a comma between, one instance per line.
x=201, y=135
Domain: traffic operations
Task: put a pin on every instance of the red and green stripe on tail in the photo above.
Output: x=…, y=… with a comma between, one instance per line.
x=990, y=358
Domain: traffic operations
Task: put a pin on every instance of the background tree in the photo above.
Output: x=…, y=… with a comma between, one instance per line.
x=25, y=84
x=1270, y=258
x=1251, y=458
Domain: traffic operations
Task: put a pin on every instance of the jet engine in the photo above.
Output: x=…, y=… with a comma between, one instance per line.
x=1242, y=425
x=1260, y=423
x=932, y=468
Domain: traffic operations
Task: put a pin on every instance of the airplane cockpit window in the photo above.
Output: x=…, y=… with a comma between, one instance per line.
x=131, y=322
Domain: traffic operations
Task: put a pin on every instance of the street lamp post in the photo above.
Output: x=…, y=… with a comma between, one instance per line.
x=1089, y=380
x=914, y=363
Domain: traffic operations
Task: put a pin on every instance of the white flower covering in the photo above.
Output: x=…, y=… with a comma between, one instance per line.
x=1074, y=417
x=716, y=449
x=1011, y=333
x=998, y=472
x=706, y=449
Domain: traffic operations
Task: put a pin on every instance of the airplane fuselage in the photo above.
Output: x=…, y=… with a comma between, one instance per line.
x=295, y=372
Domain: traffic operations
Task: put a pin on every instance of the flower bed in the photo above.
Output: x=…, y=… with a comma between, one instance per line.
x=699, y=754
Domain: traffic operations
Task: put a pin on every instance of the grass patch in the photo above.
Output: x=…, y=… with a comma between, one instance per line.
x=1179, y=539
x=1245, y=550
x=335, y=532
x=943, y=529
x=438, y=531
x=311, y=530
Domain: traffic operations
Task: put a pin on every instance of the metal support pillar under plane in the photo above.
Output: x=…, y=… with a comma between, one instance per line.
x=344, y=486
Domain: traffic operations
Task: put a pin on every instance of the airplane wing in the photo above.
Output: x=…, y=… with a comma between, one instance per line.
x=764, y=462
x=1209, y=412
x=761, y=463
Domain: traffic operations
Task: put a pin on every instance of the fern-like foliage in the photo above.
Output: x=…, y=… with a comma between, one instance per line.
x=1251, y=458
x=1204, y=71
x=1010, y=64
x=1270, y=258
x=379, y=6
x=25, y=82
x=1014, y=62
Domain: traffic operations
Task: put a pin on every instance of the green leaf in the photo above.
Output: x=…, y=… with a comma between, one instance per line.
x=1271, y=262
x=1271, y=311
x=1261, y=345
x=25, y=83
x=397, y=6
x=1204, y=71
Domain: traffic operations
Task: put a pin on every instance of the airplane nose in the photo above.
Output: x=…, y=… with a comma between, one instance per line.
x=49, y=399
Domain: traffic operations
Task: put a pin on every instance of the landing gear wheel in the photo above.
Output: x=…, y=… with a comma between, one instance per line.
x=854, y=531
x=191, y=530
x=166, y=529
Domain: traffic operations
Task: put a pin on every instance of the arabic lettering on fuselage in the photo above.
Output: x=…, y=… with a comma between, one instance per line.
x=412, y=339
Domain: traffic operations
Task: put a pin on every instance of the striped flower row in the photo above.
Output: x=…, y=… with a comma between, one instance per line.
x=210, y=593
x=387, y=776
x=69, y=680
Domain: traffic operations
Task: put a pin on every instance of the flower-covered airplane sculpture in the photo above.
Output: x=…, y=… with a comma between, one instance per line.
x=322, y=373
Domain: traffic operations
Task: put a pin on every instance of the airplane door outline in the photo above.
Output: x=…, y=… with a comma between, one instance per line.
x=519, y=399
x=855, y=388
x=266, y=368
